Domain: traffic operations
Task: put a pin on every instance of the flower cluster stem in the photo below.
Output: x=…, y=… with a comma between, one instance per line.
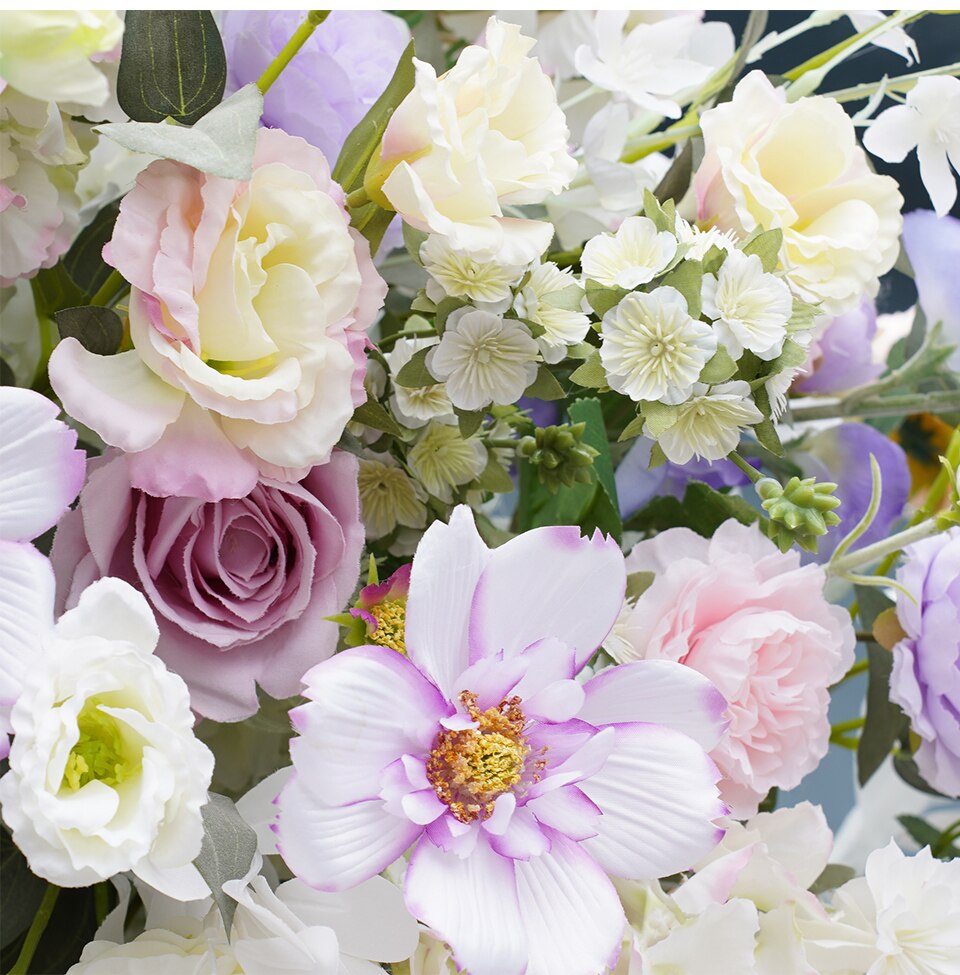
x=939, y=401
x=300, y=36
x=873, y=553
x=40, y=921
x=747, y=469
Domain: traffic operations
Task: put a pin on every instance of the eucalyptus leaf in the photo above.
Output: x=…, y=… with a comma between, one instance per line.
x=227, y=851
x=172, y=65
x=766, y=245
x=545, y=386
x=414, y=374
x=99, y=330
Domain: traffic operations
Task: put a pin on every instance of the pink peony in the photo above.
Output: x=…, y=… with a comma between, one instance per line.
x=519, y=788
x=241, y=588
x=756, y=623
x=248, y=313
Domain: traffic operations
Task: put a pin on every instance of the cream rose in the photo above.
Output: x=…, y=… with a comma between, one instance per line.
x=486, y=134
x=248, y=314
x=770, y=163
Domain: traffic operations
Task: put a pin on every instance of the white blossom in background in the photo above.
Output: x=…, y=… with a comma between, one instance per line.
x=700, y=241
x=708, y=425
x=632, y=256
x=413, y=406
x=483, y=358
x=750, y=308
x=552, y=299
x=388, y=496
x=458, y=275
x=651, y=349
x=654, y=64
x=896, y=39
x=441, y=460
x=929, y=123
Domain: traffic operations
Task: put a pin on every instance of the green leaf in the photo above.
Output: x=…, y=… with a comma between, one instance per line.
x=364, y=140
x=832, y=876
x=372, y=414
x=687, y=278
x=54, y=289
x=884, y=721
x=569, y=298
x=445, y=309
x=607, y=515
x=580, y=350
x=676, y=180
x=633, y=429
x=713, y=259
x=906, y=767
x=226, y=852
x=372, y=222
x=659, y=417
x=766, y=430
x=494, y=477
x=172, y=65
x=920, y=830
x=413, y=240
x=545, y=386
x=414, y=373
x=602, y=298
x=468, y=421
x=20, y=892
x=663, y=217
x=792, y=355
x=719, y=369
x=84, y=261
x=591, y=373
x=802, y=316
x=766, y=245
x=657, y=457
x=7, y=375
x=702, y=509
x=98, y=330
x=422, y=303
x=221, y=143
x=638, y=583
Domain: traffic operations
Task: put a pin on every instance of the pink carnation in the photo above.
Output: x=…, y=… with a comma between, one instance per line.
x=248, y=314
x=240, y=588
x=756, y=623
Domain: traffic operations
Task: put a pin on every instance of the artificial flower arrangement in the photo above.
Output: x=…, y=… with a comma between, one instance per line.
x=563, y=331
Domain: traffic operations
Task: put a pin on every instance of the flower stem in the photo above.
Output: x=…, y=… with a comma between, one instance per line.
x=747, y=469
x=939, y=401
x=358, y=198
x=648, y=144
x=109, y=290
x=22, y=965
x=860, y=667
x=300, y=36
x=842, y=727
x=887, y=546
x=903, y=82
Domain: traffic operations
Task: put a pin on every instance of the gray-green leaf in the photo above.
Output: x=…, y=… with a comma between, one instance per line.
x=98, y=330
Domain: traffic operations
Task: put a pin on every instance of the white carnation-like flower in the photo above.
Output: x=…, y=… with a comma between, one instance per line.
x=413, y=406
x=551, y=298
x=708, y=425
x=442, y=460
x=750, y=308
x=388, y=497
x=652, y=349
x=462, y=276
x=636, y=254
x=105, y=772
x=483, y=358
x=700, y=241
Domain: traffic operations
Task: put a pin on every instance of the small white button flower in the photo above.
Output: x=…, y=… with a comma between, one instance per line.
x=414, y=406
x=700, y=241
x=551, y=298
x=929, y=122
x=636, y=254
x=484, y=358
x=709, y=424
x=442, y=460
x=105, y=772
x=462, y=276
x=750, y=308
x=388, y=497
x=652, y=349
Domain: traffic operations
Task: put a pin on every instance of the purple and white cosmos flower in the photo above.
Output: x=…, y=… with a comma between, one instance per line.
x=519, y=788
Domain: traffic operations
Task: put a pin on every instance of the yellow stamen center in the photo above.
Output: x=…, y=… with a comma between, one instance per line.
x=100, y=752
x=390, y=616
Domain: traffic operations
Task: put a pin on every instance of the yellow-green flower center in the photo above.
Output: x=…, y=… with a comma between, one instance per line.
x=101, y=752
x=390, y=616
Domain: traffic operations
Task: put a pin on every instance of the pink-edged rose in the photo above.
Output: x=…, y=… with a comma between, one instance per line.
x=248, y=310
x=240, y=587
x=755, y=621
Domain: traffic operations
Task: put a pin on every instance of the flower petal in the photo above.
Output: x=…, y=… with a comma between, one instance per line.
x=111, y=609
x=26, y=610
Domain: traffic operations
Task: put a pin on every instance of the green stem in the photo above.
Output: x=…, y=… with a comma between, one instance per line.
x=873, y=553
x=747, y=469
x=851, y=744
x=300, y=36
x=842, y=727
x=358, y=198
x=22, y=965
x=939, y=401
x=903, y=82
x=860, y=667
x=504, y=442
x=659, y=141
x=101, y=900
x=414, y=333
x=110, y=288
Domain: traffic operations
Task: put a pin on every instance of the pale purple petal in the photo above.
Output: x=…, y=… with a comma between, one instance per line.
x=548, y=582
x=523, y=838
x=657, y=692
x=446, y=567
x=842, y=356
x=570, y=911
x=41, y=472
x=568, y=810
x=337, y=847
x=26, y=612
x=471, y=903
x=657, y=792
x=368, y=706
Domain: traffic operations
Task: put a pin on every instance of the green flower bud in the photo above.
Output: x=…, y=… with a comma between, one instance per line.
x=799, y=512
x=560, y=456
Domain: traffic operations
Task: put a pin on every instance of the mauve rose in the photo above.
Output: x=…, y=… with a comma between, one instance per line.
x=240, y=586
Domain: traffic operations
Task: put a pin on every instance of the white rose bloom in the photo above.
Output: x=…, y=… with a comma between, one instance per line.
x=551, y=298
x=651, y=349
x=47, y=54
x=485, y=135
x=700, y=241
x=483, y=358
x=414, y=406
x=388, y=497
x=929, y=123
x=750, y=308
x=708, y=425
x=461, y=276
x=105, y=772
x=798, y=166
x=442, y=460
x=636, y=254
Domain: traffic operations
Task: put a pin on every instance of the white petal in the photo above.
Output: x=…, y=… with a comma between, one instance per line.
x=937, y=176
x=258, y=807
x=26, y=612
x=113, y=610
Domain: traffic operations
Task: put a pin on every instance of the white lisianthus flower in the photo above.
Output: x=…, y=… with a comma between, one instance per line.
x=636, y=254
x=442, y=460
x=700, y=241
x=414, y=406
x=750, y=308
x=798, y=166
x=709, y=424
x=929, y=123
x=105, y=772
x=651, y=349
x=486, y=134
x=551, y=298
x=483, y=358
x=388, y=497
x=461, y=276
x=47, y=54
